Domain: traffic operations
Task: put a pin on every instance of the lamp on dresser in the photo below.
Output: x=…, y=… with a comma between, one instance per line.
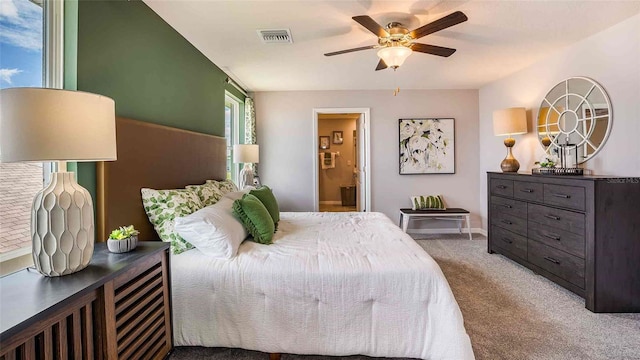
x=248, y=154
x=38, y=124
x=512, y=121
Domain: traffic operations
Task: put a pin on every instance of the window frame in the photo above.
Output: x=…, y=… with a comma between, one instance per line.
x=52, y=77
x=235, y=102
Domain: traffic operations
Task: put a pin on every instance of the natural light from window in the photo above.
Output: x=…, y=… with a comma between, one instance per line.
x=231, y=130
x=21, y=24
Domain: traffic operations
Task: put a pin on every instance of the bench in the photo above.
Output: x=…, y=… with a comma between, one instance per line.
x=455, y=214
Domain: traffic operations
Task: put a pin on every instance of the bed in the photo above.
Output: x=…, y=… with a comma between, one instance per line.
x=330, y=284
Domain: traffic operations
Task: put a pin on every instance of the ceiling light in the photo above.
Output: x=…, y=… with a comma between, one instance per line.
x=394, y=56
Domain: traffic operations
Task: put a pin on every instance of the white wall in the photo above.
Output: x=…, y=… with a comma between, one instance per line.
x=285, y=129
x=612, y=58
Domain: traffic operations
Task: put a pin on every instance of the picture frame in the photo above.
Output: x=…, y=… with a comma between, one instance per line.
x=426, y=146
x=337, y=137
x=324, y=142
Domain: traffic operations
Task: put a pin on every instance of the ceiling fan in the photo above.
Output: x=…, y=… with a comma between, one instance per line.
x=396, y=42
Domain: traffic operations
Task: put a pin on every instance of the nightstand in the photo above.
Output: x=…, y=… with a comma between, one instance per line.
x=119, y=307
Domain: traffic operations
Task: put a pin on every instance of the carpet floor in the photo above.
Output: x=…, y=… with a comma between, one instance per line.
x=509, y=313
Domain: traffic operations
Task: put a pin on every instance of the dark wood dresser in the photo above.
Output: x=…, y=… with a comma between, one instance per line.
x=116, y=308
x=581, y=232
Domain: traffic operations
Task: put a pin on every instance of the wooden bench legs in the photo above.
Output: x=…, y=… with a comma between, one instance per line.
x=275, y=356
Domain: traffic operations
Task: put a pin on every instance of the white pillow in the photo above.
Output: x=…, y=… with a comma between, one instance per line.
x=235, y=195
x=213, y=230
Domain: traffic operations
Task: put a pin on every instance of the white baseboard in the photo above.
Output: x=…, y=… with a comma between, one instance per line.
x=330, y=202
x=447, y=231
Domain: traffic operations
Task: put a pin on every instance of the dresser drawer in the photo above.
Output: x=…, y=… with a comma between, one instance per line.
x=509, y=206
x=502, y=187
x=556, y=218
x=508, y=241
x=527, y=191
x=557, y=238
x=510, y=222
x=572, y=197
x=559, y=263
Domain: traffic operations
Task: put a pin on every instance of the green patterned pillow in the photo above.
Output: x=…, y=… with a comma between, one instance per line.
x=225, y=186
x=163, y=206
x=213, y=190
x=208, y=193
x=426, y=202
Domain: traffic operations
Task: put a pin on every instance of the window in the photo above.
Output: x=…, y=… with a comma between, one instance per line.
x=231, y=132
x=30, y=56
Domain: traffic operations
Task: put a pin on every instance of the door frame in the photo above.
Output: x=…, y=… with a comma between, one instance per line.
x=366, y=115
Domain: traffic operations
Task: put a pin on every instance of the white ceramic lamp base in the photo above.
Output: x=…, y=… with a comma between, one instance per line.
x=62, y=226
x=246, y=176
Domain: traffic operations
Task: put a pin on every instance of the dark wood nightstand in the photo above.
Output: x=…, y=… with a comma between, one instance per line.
x=119, y=307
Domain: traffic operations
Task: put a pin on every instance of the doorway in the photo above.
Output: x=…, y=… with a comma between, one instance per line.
x=341, y=158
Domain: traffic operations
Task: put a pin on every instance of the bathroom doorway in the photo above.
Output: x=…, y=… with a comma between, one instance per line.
x=340, y=160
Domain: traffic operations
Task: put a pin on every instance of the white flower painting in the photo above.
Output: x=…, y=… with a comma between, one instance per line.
x=427, y=146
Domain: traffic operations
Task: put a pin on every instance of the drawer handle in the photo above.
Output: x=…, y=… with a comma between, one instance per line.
x=527, y=190
x=548, y=258
x=551, y=236
x=552, y=217
x=561, y=196
x=507, y=222
x=507, y=240
x=506, y=206
x=501, y=187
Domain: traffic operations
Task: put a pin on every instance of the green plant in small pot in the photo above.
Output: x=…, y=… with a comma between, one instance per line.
x=123, y=239
x=547, y=163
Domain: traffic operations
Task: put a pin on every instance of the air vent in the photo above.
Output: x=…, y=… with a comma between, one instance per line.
x=275, y=36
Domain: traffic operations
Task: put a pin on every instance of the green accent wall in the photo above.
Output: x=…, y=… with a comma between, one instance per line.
x=127, y=52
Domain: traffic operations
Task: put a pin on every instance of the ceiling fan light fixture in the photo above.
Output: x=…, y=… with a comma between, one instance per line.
x=394, y=56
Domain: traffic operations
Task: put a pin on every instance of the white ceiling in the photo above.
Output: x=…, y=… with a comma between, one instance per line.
x=499, y=38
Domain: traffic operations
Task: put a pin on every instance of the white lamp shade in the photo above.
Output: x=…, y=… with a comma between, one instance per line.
x=39, y=124
x=246, y=153
x=510, y=121
x=394, y=56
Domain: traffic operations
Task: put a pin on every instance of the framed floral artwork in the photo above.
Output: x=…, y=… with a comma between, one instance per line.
x=427, y=146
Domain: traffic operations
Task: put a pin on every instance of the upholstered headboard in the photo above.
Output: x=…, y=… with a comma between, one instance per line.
x=157, y=157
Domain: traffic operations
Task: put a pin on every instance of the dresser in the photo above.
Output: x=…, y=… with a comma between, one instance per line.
x=581, y=232
x=116, y=308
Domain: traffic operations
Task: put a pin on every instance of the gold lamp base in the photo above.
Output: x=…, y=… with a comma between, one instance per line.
x=509, y=164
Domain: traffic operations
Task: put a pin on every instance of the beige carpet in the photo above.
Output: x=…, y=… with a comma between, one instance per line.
x=509, y=312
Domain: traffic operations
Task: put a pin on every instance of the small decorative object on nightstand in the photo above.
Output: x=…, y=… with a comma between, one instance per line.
x=512, y=121
x=123, y=239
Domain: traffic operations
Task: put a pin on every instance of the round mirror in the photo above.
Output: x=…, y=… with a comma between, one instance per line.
x=574, y=115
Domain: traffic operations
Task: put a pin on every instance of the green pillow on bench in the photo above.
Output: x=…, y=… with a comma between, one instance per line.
x=427, y=202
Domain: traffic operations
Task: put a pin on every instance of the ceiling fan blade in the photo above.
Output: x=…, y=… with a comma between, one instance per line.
x=432, y=49
x=371, y=25
x=381, y=65
x=350, y=50
x=440, y=24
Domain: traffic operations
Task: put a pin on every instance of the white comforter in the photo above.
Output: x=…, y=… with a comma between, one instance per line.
x=331, y=284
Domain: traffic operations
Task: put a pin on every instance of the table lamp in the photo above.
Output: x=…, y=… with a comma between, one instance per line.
x=38, y=124
x=512, y=121
x=247, y=154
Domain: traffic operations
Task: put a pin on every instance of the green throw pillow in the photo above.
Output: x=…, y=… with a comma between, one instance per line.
x=426, y=202
x=163, y=206
x=255, y=217
x=265, y=195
